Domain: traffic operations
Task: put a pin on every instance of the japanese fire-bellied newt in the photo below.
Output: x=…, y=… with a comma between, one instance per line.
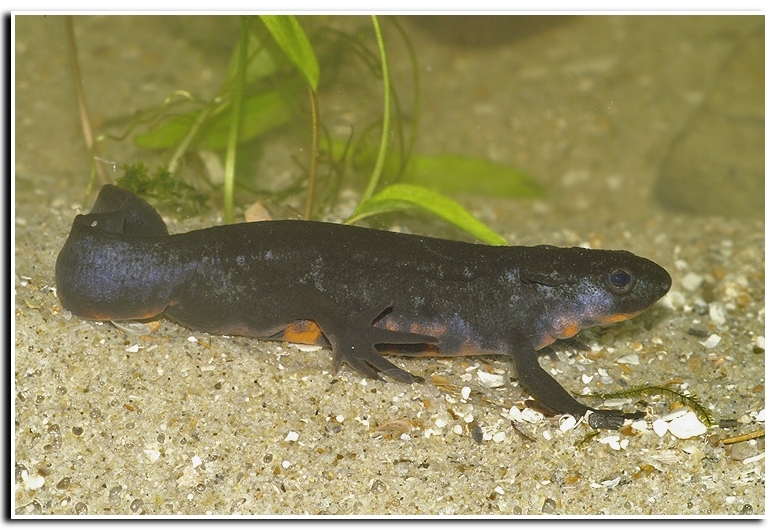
x=364, y=293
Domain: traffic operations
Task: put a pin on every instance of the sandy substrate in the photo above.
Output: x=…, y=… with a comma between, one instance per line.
x=180, y=422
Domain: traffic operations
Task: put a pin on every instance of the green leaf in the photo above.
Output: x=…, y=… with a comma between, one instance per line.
x=168, y=133
x=451, y=174
x=463, y=175
x=401, y=197
x=259, y=113
x=291, y=38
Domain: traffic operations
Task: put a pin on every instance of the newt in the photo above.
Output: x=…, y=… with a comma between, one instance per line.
x=363, y=293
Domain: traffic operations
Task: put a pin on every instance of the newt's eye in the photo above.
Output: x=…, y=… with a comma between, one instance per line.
x=620, y=281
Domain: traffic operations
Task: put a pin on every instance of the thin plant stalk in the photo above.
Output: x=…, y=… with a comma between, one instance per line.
x=380, y=159
x=86, y=127
x=181, y=149
x=235, y=121
x=315, y=143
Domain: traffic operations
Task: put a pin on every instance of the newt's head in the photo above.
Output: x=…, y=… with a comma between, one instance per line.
x=597, y=287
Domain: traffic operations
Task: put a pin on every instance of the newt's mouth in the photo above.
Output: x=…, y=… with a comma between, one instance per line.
x=617, y=317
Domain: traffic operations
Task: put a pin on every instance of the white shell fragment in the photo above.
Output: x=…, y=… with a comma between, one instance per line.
x=687, y=426
x=306, y=347
x=666, y=456
x=567, y=422
x=676, y=413
x=490, y=380
x=660, y=427
x=711, y=342
x=616, y=403
x=32, y=482
x=131, y=327
x=631, y=358
x=613, y=441
x=532, y=416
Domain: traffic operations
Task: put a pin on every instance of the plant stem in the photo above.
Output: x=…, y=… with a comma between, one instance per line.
x=173, y=165
x=380, y=159
x=86, y=127
x=235, y=121
x=315, y=146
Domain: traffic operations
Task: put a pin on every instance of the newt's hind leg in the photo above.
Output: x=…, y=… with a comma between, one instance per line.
x=354, y=338
x=352, y=335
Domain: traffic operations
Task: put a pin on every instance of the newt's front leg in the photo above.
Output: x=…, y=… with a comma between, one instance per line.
x=553, y=396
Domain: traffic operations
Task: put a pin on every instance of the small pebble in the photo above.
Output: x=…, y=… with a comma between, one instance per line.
x=476, y=434
x=692, y=281
x=549, y=506
x=718, y=313
x=742, y=450
x=515, y=414
x=292, y=436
